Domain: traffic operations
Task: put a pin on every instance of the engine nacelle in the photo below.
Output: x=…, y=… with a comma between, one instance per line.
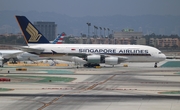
x=112, y=60
x=1, y=58
x=1, y=61
x=78, y=60
x=94, y=59
x=19, y=57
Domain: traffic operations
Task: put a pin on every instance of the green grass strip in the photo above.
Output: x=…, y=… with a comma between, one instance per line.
x=170, y=92
x=4, y=89
x=171, y=64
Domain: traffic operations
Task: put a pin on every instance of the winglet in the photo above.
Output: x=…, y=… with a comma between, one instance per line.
x=30, y=32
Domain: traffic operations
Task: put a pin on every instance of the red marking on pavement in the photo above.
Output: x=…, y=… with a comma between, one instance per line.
x=156, y=82
x=120, y=89
x=5, y=79
x=57, y=88
x=86, y=82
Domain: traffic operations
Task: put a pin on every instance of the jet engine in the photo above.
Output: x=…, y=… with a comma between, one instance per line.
x=1, y=61
x=78, y=60
x=19, y=57
x=1, y=58
x=112, y=60
x=93, y=59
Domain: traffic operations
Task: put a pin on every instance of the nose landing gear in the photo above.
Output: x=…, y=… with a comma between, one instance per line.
x=155, y=65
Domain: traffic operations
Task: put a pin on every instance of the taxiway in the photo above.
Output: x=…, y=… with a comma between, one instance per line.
x=138, y=86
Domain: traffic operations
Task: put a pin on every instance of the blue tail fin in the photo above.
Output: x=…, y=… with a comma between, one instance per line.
x=31, y=33
x=59, y=39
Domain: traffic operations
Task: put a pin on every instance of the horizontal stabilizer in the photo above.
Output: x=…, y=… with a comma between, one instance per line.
x=13, y=55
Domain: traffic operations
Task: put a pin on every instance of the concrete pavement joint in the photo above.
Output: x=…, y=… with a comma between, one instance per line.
x=89, y=88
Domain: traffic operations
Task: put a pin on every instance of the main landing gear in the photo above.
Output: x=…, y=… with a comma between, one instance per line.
x=155, y=65
x=89, y=65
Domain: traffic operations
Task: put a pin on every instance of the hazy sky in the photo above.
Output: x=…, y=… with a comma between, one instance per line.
x=79, y=8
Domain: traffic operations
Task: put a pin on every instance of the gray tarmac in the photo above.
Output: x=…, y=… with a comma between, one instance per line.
x=136, y=87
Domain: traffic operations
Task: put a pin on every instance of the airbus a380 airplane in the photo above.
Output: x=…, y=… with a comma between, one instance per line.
x=88, y=54
x=18, y=55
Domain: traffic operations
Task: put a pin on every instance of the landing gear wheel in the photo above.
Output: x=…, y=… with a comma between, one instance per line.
x=89, y=65
x=155, y=65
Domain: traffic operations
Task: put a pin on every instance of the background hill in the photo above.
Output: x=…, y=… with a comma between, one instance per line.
x=158, y=24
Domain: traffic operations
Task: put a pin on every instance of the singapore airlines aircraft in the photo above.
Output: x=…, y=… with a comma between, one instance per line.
x=88, y=54
x=18, y=55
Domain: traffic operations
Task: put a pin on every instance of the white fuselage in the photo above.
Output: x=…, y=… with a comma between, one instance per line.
x=133, y=53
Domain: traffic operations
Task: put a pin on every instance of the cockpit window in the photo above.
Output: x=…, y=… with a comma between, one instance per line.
x=160, y=52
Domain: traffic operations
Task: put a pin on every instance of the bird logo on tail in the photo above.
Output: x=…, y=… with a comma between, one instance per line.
x=33, y=32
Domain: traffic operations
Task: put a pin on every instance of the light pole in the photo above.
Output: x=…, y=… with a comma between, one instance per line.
x=114, y=40
x=89, y=24
x=104, y=32
x=108, y=31
x=95, y=30
x=100, y=28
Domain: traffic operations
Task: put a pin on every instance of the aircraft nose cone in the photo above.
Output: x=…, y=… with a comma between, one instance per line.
x=163, y=57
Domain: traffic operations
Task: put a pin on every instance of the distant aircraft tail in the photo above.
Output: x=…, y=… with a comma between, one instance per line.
x=30, y=32
x=59, y=39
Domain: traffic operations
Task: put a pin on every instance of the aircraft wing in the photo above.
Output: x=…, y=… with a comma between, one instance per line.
x=31, y=50
x=120, y=58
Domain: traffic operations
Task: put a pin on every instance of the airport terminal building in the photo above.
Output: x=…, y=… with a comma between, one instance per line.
x=129, y=36
x=126, y=36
